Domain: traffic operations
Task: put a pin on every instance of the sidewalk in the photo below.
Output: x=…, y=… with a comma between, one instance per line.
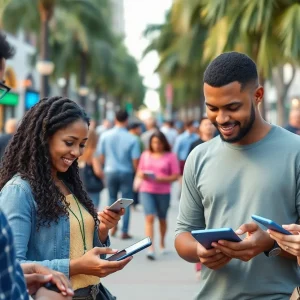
x=166, y=278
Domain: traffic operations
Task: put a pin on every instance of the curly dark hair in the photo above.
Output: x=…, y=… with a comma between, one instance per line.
x=28, y=155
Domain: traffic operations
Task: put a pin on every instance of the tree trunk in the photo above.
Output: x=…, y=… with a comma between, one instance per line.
x=44, y=56
x=82, y=77
x=46, y=13
x=282, y=89
x=65, y=89
x=96, y=105
x=104, y=107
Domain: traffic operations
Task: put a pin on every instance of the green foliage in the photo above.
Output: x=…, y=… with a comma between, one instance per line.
x=196, y=31
x=77, y=27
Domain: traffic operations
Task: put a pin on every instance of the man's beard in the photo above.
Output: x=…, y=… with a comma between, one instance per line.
x=243, y=130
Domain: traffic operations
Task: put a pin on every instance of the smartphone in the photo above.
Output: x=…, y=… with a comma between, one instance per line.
x=150, y=174
x=120, y=203
x=135, y=248
x=270, y=224
x=207, y=236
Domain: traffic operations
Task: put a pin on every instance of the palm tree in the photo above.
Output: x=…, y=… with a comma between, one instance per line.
x=180, y=49
x=266, y=30
x=23, y=14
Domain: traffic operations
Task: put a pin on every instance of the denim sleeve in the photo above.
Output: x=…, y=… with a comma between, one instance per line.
x=98, y=243
x=18, y=206
x=60, y=265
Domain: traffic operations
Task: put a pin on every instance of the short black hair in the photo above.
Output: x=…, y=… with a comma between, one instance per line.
x=122, y=116
x=6, y=50
x=189, y=123
x=229, y=67
x=134, y=125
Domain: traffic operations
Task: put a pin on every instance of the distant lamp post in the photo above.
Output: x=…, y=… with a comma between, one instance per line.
x=169, y=102
x=45, y=68
x=83, y=91
x=102, y=109
x=295, y=103
x=62, y=82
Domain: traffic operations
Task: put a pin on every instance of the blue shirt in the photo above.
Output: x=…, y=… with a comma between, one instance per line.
x=48, y=246
x=119, y=148
x=183, y=144
x=12, y=283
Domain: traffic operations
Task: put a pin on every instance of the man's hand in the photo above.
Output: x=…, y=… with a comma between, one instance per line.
x=212, y=258
x=256, y=242
x=37, y=275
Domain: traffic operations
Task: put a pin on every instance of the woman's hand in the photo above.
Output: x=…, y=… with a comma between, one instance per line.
x=289, y=243
x=108, y=219
x=37, y=275
x=45, y=294
x=91, y=264
x=167, y=179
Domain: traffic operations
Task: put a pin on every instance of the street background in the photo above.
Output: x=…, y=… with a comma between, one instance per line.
x=167, y=278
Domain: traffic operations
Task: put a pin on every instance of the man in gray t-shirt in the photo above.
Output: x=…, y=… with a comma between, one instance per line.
x=251, y=168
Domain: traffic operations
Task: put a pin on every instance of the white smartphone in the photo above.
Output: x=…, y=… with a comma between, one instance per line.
x=150, y=174
x=139, y=246
x=120, y=203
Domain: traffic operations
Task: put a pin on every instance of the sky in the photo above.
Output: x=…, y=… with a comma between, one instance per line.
x=138, y=14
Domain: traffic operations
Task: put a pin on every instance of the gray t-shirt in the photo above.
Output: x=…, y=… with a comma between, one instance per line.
x=223, y=185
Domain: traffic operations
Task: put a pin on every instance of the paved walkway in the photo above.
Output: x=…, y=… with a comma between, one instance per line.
x=166, y=278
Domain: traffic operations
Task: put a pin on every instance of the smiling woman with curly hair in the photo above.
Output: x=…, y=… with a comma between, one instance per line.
x=53, y=220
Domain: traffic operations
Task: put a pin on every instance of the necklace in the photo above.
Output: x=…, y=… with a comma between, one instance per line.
x=81, y=224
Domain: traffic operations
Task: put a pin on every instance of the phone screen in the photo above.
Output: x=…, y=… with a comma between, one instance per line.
x=117, y=255
x=130, y=250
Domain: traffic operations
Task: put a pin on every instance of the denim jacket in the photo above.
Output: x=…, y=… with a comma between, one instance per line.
x=48, y=246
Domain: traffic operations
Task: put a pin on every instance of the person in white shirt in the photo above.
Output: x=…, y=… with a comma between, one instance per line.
x=169, y=131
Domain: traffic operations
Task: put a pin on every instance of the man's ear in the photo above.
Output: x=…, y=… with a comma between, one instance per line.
x=259, y=94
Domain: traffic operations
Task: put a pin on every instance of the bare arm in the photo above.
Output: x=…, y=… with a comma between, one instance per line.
x=186, y=247
x=135, y=163
x=168, y=179
x=97, y=167
x=102, y=159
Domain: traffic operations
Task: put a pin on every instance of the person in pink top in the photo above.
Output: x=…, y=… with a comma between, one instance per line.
x=158, y=168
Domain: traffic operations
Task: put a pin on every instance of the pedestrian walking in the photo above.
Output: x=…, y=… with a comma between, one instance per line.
x=206, y=132
x=158, y=168
x=169, y=131
x=135, y=129
x=90, y=171
x=151, y=128
x=9, y=128
x=119, y=152
x=183, y=143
